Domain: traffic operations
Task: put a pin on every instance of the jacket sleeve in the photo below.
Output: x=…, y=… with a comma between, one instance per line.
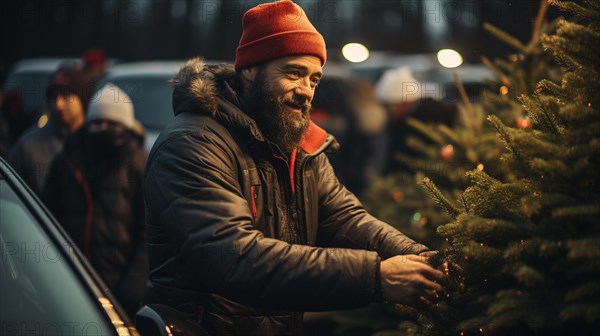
x=131, y=284
x=344, y=222
x=50, y=195
x=192, y=192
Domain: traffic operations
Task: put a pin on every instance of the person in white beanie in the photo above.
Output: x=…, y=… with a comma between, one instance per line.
x=403, y=96
x=94, y=190
x=397, y=89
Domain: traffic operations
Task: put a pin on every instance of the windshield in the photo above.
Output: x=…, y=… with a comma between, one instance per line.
x=41, y=293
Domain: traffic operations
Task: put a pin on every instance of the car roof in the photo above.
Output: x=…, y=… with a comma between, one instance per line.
x=145, y=68
x=40, y=64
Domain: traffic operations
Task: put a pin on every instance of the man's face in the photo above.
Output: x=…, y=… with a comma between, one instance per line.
x=67, y=108
x=280, y=97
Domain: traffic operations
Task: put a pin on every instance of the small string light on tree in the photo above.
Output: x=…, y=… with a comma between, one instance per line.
x=517, y=57
x=447, y=152
x=397, y=196
x=523, y=122
x=416, y=219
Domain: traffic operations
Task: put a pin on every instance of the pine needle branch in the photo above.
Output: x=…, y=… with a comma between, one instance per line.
x=548, y=87
x=503, y=36
x=503, y=134
x=440, y=200
x=576, y=9
x=465, y=99
x=425, y=129
x=535, y=35
x=540, y=115
x=494, y=69
x=595, y=4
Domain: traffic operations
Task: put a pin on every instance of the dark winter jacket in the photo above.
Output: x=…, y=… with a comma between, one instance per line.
x=241, y=237
x=32, y=155
x=99, y=203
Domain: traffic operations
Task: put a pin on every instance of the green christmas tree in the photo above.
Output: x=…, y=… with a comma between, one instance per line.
x=446, y=154
x=522, y=253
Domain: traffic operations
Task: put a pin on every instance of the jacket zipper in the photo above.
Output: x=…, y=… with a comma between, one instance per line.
x=290, y=172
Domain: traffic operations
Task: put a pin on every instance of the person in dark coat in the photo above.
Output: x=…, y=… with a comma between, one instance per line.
x=94, y=189
x=247, y=224
x=67, y=96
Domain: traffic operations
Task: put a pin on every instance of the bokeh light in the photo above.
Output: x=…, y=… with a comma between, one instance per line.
x=355, y=52
x=449, y=58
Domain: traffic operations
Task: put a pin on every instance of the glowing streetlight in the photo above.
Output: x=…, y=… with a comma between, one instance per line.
x=449, y=58
x=355, y=52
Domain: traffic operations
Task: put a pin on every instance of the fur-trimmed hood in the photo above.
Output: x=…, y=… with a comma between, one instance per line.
x=197, y=84
x=211, y=89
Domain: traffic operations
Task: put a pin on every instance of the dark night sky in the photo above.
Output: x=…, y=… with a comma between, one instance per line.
x=175, y=29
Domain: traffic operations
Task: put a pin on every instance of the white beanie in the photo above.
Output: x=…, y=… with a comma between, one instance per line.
x=112, y=103
x=398, y=86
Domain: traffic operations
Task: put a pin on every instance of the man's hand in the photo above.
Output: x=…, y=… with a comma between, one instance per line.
x=408, y=279
x=428, y=254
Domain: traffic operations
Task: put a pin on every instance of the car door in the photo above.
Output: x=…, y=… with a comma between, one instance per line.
x=46, y=286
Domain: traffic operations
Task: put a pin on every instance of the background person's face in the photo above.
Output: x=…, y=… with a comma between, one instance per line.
x=280, y=97
x=67, y=108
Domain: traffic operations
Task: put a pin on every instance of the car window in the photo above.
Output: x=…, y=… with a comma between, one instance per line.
x=151, y=98
x=41, y=293
x=33, y=88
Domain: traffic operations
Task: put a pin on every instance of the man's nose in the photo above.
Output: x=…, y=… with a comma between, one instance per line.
x=60, y=102
x=305, y=89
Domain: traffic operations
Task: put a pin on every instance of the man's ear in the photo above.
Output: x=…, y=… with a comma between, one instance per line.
x=249, y=74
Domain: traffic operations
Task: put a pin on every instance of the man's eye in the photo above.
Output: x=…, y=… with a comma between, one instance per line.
x=315, y=82
x=295, y=74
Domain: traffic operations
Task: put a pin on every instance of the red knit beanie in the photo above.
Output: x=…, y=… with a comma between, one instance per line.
x=275, y=30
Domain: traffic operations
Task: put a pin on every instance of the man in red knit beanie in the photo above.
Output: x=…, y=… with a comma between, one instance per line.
x=247, y=224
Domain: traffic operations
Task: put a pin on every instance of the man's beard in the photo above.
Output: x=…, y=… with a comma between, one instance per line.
x=280, y=125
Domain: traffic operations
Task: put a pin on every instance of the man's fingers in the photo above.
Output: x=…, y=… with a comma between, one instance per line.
x=431, y=285
x=428, y=254
x=427, y=270
x=424, y=300
x=433, y=274
x=432, y=296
